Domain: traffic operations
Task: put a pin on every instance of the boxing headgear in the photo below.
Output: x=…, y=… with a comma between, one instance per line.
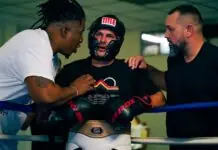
x=113, y=24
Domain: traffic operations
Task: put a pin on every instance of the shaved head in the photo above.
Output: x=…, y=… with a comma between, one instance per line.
x=188, y=15
x=189, y=19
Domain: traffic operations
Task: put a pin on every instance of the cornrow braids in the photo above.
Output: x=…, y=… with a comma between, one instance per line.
x=58, y=11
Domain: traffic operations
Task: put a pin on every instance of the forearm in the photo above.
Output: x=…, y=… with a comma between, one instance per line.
x=46, y=91
x=60, y=95
x=61, y=102
x=157, y=76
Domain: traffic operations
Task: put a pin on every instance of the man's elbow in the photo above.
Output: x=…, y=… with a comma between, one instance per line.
x=158, y=99
x=42, y=89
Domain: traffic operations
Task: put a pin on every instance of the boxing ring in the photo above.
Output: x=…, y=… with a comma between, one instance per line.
x=151, y=140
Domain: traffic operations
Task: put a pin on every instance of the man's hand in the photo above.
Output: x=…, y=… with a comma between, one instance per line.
x=83, y=84
x=30, y=117
x=157, y=76
x=136, y=62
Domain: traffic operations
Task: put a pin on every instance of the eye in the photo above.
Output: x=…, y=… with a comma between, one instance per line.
x=171, y=29
x=111, y=36
x=98, y=34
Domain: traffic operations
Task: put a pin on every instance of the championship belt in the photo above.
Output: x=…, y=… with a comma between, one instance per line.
x=99, y=129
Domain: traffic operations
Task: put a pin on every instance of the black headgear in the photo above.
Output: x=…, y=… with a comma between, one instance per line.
x=112, y=23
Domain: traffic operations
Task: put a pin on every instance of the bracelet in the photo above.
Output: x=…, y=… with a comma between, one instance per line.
x=73, y=87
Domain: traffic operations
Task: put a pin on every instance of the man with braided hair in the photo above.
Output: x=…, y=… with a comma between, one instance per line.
x=100, y=119
x=26, y=63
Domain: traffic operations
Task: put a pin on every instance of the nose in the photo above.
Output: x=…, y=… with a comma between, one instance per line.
x=166, y=34
x=103, y=39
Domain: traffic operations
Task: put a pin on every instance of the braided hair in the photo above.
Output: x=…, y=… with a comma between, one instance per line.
x=58, y=11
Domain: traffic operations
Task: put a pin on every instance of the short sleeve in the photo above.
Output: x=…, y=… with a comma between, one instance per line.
x=34, y=60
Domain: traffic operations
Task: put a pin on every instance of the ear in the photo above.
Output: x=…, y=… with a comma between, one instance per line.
x=189, y=30
x=63, y=31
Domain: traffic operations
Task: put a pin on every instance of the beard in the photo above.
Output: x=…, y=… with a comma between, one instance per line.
x=176, y=49
x=67, y=56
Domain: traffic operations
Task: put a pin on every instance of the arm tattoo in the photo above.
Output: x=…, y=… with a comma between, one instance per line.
x=42, y=82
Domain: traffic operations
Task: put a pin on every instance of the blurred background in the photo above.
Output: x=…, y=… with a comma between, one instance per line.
x=144, y=20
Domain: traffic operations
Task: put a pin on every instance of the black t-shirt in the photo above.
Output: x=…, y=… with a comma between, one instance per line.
x=196, y=81
x=115, y=80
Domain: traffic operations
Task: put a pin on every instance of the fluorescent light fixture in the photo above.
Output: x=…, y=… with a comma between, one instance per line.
x=160, y=39
x=151, y=38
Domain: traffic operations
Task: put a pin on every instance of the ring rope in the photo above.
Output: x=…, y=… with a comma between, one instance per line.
x=154, y=140
x=166, y=108
x=35, y=138
x=177, y=141
x=15, y=107
x=166, y=141
x=188, y=106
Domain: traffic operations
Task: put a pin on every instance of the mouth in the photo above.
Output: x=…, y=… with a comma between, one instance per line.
x=75, y=49
x=171, y=44
x=101, y=49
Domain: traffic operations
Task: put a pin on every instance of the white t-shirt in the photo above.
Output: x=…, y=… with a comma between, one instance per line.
x=28, y=53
